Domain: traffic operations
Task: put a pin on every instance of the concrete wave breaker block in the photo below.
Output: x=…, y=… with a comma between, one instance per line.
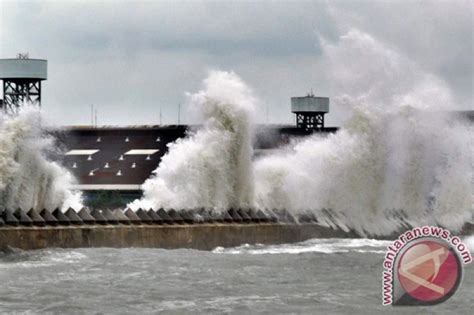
x=61, y=217
x=244, y=215
x=188, y=216
x=23, y=218
x=235, y=216
x=253, y=216
x=262, y=216
x=9, y=218
x=110, y=217
x=175, y=216
x=226, y=217
x=204, y=216
x=144, y=216
x=134, y=219
x=36, y=218
x=284, y=216
x=165, y=216
x=155, y=217
x=99, y=217
x=48, y=217
x=121, y=217
x=73, y=217
x=86, y=217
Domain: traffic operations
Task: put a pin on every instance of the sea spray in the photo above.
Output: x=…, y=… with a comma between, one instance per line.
x=28, y=179
x=211, y=167
x=379, y=168
x=400, y=158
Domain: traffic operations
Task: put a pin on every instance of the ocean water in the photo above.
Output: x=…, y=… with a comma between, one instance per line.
x=327, y=276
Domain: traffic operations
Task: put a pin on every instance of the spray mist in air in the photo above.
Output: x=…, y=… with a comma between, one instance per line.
x=28, y=179
x=211, y=167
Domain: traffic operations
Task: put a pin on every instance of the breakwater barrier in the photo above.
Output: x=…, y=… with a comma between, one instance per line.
x=45, y=217
x=198, y=229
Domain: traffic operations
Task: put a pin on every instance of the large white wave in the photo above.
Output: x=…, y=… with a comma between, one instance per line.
x=400, y=151
x=405, y=161
x=212, y=167
x=28, y=179
x=400, y=154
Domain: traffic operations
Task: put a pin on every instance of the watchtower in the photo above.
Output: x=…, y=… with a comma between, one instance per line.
x=21, y=81
x=310, y=111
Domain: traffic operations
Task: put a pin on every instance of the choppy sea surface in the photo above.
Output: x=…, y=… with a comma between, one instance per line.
x=326, y=276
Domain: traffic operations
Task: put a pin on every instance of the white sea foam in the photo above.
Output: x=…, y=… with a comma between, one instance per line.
x=326, y=246
x=28, y=179
x=64, y=256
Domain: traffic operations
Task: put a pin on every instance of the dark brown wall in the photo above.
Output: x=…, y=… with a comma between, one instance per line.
x=204, y=237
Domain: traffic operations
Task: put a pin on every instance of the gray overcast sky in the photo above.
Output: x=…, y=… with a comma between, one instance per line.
x=131, y=58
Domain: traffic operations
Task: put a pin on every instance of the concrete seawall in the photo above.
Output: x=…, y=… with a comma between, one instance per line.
x=203, y=237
